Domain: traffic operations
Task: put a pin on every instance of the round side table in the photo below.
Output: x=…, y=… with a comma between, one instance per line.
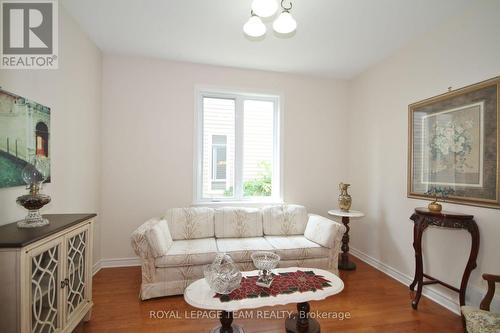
x=344, y=263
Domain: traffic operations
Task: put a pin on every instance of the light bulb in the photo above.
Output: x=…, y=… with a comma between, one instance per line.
x=254, y=27
x=285, y=23
x=264, y=8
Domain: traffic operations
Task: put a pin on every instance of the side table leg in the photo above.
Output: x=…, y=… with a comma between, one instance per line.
x=420, y=226
x=344, y=263
x=471, y=263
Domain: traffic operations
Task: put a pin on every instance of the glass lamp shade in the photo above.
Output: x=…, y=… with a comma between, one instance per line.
x=36, y=171
x=285, y=23
x=264, y=8
x=254, y=27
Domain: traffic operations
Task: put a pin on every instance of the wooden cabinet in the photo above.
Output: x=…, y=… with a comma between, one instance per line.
x=46, y=275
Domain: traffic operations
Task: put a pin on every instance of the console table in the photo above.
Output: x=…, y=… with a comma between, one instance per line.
x=46, y=279
x=423, y=218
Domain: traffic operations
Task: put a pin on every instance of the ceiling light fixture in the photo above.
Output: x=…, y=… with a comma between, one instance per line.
x=254, y=26
x=264, y=8
x=284, y=24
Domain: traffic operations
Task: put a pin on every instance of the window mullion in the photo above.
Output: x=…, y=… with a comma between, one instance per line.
x=238, y=167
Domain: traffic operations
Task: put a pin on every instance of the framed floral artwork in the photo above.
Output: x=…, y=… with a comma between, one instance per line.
x=454, y=146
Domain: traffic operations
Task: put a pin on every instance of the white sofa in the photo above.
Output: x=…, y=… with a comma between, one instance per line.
x=174, y=249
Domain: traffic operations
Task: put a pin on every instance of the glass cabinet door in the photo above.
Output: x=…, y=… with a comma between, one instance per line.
x=45, y=288
x=76, y=282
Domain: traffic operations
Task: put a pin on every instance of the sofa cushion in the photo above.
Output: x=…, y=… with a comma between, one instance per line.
x=240, y=249
x=238, y=222
x=284, y=220
x=190, y=223
x=189, y=252
x=159, y=238
x=296, y=247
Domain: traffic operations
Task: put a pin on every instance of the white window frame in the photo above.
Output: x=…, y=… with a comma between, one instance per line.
x=239, y=97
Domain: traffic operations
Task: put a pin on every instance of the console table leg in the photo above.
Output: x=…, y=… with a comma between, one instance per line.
x=344, y=263
x=415, y=236
x=420, y=226
x=471, y=263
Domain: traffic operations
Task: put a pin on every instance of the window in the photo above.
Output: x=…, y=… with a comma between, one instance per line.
x=219, y=153
x=238, y=147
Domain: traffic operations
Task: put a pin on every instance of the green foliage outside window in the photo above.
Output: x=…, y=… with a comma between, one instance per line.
x=258, y=187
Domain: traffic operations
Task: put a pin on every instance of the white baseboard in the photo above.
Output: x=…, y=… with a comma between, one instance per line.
x=116, y=262
x=428, y=292
x=96, y=268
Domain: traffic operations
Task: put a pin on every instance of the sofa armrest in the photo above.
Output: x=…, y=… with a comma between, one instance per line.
x=139, y=241
x=141, y=247
x=326, y=233
x=323, y=231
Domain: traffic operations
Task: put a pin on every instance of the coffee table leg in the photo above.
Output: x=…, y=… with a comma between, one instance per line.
x=227, y=326
x=303, y=318
x=300, y=322
x=226, y=319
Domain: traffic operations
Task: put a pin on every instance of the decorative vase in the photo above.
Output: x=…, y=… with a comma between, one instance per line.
x=435, y=207
x=345, y=199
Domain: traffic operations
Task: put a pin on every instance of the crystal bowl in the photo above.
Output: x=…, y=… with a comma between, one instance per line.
x=265, y=261
x=222, y=275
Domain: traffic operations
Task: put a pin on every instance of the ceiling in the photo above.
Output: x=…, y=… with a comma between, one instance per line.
x=334, y=38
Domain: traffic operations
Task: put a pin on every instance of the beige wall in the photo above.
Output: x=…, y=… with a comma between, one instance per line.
x=147, y=139
x=73, y=92
x=461, y=52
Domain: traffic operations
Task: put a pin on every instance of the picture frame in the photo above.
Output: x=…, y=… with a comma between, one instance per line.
x=454, y=146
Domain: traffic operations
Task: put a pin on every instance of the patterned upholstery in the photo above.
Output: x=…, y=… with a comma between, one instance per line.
x=190, y=223
x=240, y=249
x=321, y=230
x=189, y=252
x=284, y=220
x=159, y=238
x=239, y=233
x=296, y=248
x=480, y=321
x=238, y=222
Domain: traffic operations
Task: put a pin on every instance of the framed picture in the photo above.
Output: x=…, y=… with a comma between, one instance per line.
x=24, y=134
x=453, y=146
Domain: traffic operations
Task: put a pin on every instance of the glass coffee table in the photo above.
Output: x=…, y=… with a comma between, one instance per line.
x=291, y=285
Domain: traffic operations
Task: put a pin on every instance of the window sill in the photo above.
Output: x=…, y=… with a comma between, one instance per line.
x=243, y=203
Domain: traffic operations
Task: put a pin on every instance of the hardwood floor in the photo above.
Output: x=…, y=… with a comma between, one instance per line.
x=376, y=303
